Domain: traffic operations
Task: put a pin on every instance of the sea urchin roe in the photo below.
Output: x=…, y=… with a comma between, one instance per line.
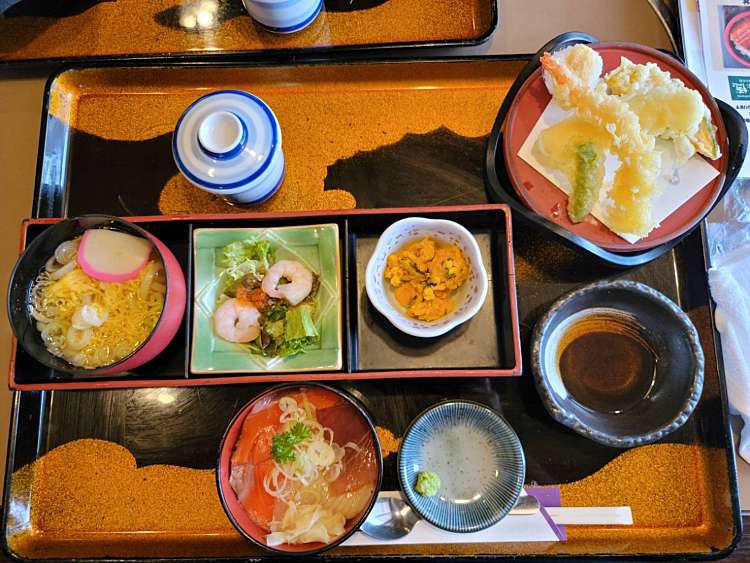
x=425, y=275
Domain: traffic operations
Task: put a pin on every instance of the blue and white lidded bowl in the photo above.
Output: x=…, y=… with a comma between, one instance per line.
x=284, y=16
x=228, y=143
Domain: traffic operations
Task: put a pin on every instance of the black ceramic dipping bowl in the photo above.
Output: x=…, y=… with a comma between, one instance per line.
x=618, y=362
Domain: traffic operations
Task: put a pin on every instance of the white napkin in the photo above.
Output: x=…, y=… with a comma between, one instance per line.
x=512, y=528
x=675, y=189
x=730, y=286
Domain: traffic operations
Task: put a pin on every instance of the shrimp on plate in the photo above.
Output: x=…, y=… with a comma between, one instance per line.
x=567, y=75
x=300, y=281
x=571, y=75
x=237, y=322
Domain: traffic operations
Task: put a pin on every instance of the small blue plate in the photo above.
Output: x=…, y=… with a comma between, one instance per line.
x=478, y=458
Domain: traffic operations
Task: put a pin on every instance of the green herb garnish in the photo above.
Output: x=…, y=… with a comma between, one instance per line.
x=282, y=448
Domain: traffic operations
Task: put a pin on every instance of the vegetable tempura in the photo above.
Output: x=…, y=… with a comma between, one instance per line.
x=621, y=115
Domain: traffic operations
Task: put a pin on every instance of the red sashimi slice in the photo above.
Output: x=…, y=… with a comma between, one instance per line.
x=254, y=425
x=263, y=443
x=345, y=422
x=258, y=503
x=252, y=462
x=359, y=469
x=319, y=398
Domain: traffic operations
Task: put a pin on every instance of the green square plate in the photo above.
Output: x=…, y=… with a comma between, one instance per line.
x=315, y=246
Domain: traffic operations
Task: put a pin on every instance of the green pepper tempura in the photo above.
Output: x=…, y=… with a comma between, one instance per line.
x=428, y=483
x=586, y=186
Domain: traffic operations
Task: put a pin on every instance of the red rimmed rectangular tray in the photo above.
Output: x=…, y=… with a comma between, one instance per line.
x=486, y=346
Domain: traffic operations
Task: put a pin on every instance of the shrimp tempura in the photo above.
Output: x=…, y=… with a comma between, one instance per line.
x=569, y=80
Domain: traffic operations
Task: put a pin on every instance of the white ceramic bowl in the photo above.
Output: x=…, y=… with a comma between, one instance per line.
x=470, y=296
x=228, y=143
x=284, y=16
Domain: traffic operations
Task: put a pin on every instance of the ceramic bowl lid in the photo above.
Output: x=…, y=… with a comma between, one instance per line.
x=226, y=139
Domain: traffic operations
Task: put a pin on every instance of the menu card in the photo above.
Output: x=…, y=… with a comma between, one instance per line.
x=725, y=46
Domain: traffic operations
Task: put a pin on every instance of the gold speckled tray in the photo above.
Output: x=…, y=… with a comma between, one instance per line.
x=44, y=30
x=91, y=499
x=336, y=120
x=129, y=473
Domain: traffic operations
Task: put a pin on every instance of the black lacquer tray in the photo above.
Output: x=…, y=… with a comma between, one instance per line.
x=691, y=471
x=49, y=32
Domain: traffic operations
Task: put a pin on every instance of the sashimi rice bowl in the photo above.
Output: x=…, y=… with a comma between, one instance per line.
x=300, y=468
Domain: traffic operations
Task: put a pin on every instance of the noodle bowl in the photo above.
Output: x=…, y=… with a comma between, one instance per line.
x=83, y=238
x=92, y=323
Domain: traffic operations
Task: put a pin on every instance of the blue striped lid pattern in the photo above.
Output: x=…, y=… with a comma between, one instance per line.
x=296, y=26
x=493, y=499
x=262, y=136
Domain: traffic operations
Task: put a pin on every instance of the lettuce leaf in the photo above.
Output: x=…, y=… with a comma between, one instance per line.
x=293, y=334
x=240, y=251
x=232, y=277
x=274, y=329
x=299, y=324
x=244, y=258
x=291, y=347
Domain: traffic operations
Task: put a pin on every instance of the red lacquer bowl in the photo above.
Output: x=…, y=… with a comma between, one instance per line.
x=544, y=198
x=31, y=263
x=233, y=507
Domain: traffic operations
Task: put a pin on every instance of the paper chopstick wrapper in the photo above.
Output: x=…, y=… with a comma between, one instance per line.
x=675, y=189
x=512, y=528
x=591, y=515
x=531, y=528
x=546, y=526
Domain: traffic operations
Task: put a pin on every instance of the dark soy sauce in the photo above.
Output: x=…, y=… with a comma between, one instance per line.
x=606, y=365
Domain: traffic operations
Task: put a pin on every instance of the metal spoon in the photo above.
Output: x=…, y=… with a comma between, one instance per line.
x=391, y=518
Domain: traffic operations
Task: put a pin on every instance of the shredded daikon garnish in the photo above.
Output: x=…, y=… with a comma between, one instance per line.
x=306, y=460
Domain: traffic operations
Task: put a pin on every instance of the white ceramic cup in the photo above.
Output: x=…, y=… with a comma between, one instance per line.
x=228, y=143
x=284, y=16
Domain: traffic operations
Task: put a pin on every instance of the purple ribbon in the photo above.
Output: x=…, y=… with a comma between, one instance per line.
x=548, y=496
